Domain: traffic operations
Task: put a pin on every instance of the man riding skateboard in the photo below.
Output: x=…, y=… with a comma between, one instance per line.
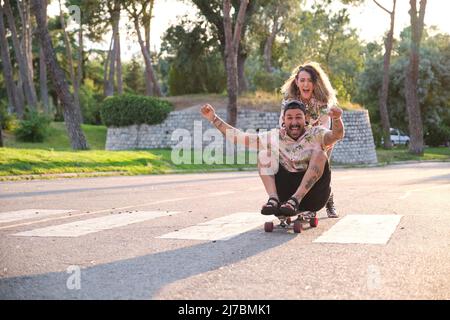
x=294, y=158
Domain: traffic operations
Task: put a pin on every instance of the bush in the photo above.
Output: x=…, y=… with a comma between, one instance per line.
x=7, y=120
x=437, y=135
x=127, y=109
x=266, y=81
x=90, y=106
x=33, y=128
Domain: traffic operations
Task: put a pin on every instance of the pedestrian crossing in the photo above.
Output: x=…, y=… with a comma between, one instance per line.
x=13, y=216
x=351, y=229
x=84, y=227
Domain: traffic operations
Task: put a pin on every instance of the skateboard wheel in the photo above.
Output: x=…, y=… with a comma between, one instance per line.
x=297, y=227
x=268, y=226
x=314, y=222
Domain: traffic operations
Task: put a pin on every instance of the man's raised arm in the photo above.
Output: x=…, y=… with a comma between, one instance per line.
x=337, y=129
x=234, y=135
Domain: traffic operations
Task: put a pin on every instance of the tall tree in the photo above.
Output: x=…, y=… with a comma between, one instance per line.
x=114, y=9
x=384, y=115
x=73, y=76
x=412, y=76
x=212, y=11
x=72, y=114
x=232, y=40
x=141, y=12
x=27, y=46
x=14, y=101
x=25, y=74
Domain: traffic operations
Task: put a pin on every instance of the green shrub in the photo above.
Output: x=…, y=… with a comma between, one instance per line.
x=7, y=119
x=90, y=106
x=33, y=128
x=437, y=135
x=127, y=109
x=266, y=81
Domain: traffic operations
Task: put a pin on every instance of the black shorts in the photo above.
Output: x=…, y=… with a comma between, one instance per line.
x=288, y=182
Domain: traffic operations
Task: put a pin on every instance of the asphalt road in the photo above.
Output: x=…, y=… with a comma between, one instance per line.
x=132, y=262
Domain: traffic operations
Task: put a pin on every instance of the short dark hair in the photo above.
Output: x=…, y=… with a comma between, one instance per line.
x=294, y=104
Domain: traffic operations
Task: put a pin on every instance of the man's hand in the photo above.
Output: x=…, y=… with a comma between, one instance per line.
x=335, y=112
x=208, y=112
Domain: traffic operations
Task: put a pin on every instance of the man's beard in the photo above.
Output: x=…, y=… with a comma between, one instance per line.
x=295, y=131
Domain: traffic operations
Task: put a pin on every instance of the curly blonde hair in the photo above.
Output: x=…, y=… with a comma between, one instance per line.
x=323, y=91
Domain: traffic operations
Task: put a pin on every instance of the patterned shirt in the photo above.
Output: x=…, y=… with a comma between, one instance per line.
x=294, y=155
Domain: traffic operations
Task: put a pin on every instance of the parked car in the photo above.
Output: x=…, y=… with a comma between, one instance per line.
x=398, y=137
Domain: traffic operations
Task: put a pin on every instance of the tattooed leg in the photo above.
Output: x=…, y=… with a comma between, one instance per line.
x=312, y=174
x=267, y=176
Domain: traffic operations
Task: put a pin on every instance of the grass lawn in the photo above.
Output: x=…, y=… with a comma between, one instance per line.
x=402, y=154
x=54, y=156
x=20, y=160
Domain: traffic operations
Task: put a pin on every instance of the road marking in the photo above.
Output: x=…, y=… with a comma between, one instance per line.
x=222, y=228
x=29, y=214
x=117, y=209
x=408, y=193
x=81, y=228
x=370, y=229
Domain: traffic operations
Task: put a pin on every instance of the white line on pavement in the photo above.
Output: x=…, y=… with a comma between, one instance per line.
x=222, y=228
x=29, y=214
x=115, y=209
x=81, y=228
x=370, y=229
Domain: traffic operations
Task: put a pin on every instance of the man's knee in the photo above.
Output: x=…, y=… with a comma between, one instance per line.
x=319, y=156
x=317, y=162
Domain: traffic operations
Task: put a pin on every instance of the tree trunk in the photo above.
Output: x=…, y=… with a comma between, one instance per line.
x=43, y=81
x=231, y=50
x=106, y=85
x=72, y=114
x=412, y=77
x=80, y=56
x=11, y=90
x=269, y=42
x=384, y=114
x=147, y=28
x=242, y=80
x=118, y=65
x=43, y=73
x=73, y=77
x=30, y=92
x=150, y=78
x=115, y=19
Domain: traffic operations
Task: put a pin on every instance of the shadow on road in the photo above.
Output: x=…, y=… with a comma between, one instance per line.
x=142, y=277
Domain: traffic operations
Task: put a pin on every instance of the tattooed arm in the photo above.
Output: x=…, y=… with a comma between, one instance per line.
x=234, y=135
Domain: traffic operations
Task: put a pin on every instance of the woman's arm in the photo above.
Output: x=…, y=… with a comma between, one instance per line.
x=337, y=130
x=232, y=134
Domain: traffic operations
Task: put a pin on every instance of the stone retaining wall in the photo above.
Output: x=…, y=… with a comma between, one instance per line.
x=357, y=147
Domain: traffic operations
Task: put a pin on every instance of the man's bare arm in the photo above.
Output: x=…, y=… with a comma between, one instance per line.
x=231, y=133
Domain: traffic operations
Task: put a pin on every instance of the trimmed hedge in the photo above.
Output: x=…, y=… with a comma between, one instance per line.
x=128, y=109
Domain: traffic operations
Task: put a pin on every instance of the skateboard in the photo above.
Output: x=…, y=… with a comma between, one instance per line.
x=286, y=222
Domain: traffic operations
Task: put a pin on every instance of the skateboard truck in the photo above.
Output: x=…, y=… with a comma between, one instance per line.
x=285, y=222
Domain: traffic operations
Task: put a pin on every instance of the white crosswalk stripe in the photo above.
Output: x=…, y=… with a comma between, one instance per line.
x=222, y=228
x=29, y=214
x=370, y=229
x=80, y=228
